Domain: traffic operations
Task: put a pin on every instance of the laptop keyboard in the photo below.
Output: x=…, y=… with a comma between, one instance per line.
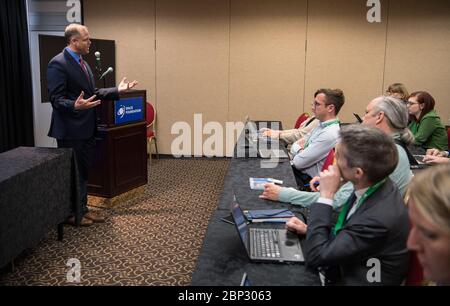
x=265, y=243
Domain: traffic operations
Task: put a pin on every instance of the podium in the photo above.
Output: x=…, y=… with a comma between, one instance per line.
x=120, y=157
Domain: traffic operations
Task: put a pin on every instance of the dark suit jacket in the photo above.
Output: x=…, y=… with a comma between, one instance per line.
x=66, y=79
x=378, y=229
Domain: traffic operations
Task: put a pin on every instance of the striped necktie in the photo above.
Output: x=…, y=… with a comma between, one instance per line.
x=83, y=66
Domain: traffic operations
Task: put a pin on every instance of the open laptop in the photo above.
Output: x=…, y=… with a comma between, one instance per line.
x=272, y=153
x=266, y=244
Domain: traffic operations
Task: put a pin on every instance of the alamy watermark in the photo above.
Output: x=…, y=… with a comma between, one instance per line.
x=74, y=273
x=373, y=275
x=236, y=139
x=374, y=13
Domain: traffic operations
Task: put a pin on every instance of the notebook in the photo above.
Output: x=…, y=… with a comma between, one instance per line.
x=266, y=244
x=257, y=183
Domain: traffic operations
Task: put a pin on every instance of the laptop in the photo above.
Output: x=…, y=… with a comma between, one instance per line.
x=272, y=153
x=266, y=244
x=419, y=159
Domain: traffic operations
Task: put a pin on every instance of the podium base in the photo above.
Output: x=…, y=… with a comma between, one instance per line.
x=95, y=201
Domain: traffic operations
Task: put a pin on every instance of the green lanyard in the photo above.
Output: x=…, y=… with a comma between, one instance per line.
x=341, y=219
x=324, y=125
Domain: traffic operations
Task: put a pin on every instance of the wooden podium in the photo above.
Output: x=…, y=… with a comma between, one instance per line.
x=120, y=162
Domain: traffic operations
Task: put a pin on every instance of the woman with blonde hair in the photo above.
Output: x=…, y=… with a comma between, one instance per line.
x=429, y=213
x=398, y=91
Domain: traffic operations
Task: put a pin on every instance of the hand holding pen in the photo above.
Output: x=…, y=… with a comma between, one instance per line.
x=314, y=184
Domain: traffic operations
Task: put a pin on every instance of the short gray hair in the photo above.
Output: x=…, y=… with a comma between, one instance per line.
x=370, y=149
x=72, y=30
x=397, y=116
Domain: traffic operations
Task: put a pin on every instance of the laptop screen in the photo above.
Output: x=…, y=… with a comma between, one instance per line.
x=241, y=223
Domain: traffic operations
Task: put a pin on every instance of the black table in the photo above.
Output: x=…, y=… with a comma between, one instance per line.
x=223, y=260
x=38, y=190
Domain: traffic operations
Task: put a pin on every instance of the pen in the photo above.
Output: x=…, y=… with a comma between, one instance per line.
x=308, y=185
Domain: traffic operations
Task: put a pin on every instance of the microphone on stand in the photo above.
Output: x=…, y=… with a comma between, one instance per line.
x=108, y=71
x=98, y=64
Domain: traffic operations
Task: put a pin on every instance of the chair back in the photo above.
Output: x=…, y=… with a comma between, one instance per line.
x=415, y=271
x=301, y=119
x=448, y=136
x=150, y=114
x=329, y=160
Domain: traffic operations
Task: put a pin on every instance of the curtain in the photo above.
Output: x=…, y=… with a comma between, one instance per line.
x=16, y=96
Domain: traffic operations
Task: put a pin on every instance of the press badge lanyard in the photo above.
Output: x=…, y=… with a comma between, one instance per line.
x=341, y=219
x=324, y=125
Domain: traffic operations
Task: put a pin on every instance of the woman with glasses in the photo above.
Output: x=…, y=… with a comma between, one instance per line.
x=428, y=130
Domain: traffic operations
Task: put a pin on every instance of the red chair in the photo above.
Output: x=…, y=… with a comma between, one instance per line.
x=329, y=160
x=301, y=119
x=415, y=271
x=150, y=115
x=448, y=136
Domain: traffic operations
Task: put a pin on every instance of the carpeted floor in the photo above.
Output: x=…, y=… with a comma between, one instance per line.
x=151, y=240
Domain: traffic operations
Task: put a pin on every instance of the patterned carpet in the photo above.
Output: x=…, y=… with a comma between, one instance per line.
x=151, y=240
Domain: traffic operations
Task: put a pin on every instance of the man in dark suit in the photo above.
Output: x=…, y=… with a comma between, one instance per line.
x=367, y=246
x=73, y=96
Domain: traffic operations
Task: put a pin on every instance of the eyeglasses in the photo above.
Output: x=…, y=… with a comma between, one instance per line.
x=411, y=103
x=316, y=104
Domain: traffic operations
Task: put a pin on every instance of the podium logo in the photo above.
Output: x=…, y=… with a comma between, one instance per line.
x=121, y=111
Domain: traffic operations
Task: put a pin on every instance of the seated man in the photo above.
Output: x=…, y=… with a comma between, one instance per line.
x=311, y=152
x=367, y=246
x=291, y=136
x=385, y=113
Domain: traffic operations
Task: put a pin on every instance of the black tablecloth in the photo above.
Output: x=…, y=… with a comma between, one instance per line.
x=38, y=190
x=223, y=259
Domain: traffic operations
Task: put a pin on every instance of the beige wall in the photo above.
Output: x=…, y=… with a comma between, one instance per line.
x=133, y=29
x=418, y=49
x=346, y=52
x=231, y=58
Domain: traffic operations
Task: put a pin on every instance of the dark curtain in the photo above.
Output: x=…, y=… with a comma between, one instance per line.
x=16, y=97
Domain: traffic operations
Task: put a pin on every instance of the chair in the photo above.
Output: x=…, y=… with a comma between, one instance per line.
x=150, y=115
x=448, y=136
x=329, y=160
x=415, y=271
x=301, y=119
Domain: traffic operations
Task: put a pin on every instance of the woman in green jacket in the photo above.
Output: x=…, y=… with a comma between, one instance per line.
x=426, y=125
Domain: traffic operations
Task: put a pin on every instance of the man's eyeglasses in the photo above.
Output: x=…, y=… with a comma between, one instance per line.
x=316, y=104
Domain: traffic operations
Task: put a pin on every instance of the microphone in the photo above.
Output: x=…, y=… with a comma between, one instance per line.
x=108, y=71
x=98, y=64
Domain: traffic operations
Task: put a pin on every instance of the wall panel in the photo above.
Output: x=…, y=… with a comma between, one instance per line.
x=192, y=63
x=418, y=49
x=345, y=51
x=267, y=56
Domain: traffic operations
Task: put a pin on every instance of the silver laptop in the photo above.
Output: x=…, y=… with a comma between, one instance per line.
x=266, y=244
x=419, y=159
x=272, y=153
